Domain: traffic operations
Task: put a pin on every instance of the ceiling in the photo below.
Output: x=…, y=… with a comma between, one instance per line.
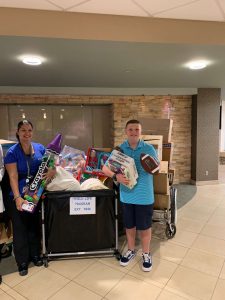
x=106, y=60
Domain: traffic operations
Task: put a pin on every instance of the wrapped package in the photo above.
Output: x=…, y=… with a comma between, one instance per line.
x=93, y=184
x=37, y=186
x=72, y=160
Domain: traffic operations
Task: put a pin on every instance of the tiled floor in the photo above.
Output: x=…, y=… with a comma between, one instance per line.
x=189, y=266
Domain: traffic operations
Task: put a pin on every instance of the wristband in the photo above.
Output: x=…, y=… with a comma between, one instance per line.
x=114, y=177
x=16, y=197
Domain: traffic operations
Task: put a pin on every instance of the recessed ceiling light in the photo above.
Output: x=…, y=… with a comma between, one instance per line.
x=32, y=60
x=197, y=64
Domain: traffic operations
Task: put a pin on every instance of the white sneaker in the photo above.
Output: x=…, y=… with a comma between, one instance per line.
x=147, y=262
x=127, y=257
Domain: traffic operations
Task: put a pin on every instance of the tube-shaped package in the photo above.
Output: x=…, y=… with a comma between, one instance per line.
x=37, y=186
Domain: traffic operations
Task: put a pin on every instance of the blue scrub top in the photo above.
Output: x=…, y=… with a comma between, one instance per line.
x=143, y=192
x=16, y=155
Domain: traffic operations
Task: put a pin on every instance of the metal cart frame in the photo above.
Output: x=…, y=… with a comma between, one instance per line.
x=168, y=215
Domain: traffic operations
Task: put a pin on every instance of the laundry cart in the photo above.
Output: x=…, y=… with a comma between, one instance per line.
x=80, y=223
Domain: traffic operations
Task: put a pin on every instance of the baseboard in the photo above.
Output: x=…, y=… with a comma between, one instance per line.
x=209, y=182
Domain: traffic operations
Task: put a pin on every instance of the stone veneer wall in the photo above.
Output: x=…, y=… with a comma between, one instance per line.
x=127, y=107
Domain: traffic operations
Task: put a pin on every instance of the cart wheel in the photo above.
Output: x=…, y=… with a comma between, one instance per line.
x=46, y=263
x=170, y=230
x=6, y=250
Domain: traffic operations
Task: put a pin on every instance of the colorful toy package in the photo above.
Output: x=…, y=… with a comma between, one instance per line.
x=96, y=158
x=38, y=184
x=118, y=162
x=72, y=160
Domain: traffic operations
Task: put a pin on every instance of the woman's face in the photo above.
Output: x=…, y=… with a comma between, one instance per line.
x=25, y=133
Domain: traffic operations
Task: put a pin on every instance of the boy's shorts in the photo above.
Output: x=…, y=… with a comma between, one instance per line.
x=139, y=216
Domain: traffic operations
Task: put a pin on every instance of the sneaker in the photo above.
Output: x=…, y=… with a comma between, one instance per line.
x=37, y=261
x=147, y=262
x=127, y=257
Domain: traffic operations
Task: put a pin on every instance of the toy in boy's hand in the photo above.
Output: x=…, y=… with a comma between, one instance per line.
x=37, y=186
x=149, y=163
x=120, y=163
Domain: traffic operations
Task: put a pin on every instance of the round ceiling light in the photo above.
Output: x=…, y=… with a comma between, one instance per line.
x=32, y=60
x=198, y=64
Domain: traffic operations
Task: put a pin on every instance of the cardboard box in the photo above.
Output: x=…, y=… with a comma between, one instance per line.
x=161, y=183
x=167, y=152
x=120, y=163
x=162, y=201
x=164, y=165
x=156, y=142
x=157, y=127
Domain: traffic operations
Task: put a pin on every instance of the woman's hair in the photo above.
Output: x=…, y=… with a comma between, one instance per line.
x=20, y=124
x=132, y=122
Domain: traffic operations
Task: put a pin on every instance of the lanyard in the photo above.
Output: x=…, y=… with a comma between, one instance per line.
x=28, y=159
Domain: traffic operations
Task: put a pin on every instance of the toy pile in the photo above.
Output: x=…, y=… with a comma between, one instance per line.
x=76, y=171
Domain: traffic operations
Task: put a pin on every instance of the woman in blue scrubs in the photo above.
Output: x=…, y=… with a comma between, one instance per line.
x=22, y=162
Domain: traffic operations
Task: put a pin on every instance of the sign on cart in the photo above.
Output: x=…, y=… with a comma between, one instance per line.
x=82, y=205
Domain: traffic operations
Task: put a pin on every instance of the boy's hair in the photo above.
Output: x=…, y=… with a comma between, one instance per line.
x=133, y=121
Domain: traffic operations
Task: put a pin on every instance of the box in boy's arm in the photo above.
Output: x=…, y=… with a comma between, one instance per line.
x=121, y=163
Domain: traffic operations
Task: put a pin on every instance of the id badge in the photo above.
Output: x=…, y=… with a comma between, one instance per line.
x=26, y=187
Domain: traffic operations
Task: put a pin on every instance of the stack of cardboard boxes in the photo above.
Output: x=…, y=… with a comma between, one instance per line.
x=158, y=133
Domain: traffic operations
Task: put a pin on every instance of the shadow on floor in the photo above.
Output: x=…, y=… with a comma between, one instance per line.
x=185, y=192
x=8, y=265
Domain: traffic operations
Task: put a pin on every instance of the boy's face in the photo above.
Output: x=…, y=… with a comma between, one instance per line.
x=133, y=132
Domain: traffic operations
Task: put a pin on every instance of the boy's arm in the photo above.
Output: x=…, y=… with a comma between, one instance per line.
x=106, y=170
x=117, y=177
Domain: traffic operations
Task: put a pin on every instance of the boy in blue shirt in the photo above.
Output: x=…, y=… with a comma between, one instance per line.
x=137, y=203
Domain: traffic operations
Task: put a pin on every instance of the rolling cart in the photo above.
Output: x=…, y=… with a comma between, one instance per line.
x=165, y=212
x=68, y=231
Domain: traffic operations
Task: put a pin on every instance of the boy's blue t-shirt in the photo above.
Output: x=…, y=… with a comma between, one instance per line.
x=16, y=155
x=143, y=192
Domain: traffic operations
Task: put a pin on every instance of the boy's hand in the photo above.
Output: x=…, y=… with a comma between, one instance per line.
x=122, y=179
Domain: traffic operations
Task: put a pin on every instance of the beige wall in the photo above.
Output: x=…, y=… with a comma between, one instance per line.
x=126, y=107
x=69, y=25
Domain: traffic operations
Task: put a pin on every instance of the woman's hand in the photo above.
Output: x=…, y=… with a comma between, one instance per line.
x=19, y=202
x=49, y=174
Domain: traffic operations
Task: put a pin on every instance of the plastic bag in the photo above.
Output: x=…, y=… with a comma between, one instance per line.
x=63, y=181
x=72, y=160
